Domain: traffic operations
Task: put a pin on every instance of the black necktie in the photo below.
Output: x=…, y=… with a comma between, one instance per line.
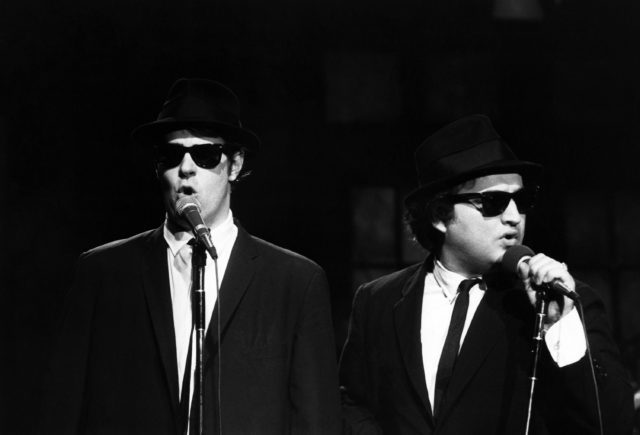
x=186, y=387
x=452, y=342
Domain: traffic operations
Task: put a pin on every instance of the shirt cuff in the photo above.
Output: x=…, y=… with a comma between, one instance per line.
x=565, y=339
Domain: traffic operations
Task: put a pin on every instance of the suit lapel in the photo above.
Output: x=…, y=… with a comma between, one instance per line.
x=481, y=337
x=158, y=296
x=239, y=274
x=407, y=319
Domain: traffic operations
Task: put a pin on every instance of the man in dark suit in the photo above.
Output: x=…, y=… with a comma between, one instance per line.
x=124, y=359
x=444, y=347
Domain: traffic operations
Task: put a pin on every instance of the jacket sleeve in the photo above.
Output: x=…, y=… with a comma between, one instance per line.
x=571, y=390
x=314, y=375
x=358, y=392
x=61, y=401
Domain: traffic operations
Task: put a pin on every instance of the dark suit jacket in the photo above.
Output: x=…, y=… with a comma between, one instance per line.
x=114, y=367
x=382, y=375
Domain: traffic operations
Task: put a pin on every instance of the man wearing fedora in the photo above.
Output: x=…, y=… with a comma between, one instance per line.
x=444, y=347
x=124, y=358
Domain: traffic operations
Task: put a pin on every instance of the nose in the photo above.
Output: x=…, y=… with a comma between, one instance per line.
x=511, y=215
x=187, y=167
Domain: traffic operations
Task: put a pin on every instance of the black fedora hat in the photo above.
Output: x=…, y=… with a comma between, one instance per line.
x=465, y=149
x=199, y=103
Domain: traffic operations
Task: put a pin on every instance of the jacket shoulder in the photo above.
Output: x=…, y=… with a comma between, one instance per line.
x=120, y=247
x=374, y=302
x=391, y=283
x=284, y=256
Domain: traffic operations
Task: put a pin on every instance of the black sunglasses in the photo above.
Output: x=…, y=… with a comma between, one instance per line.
x=494, y=203
x=206, y=156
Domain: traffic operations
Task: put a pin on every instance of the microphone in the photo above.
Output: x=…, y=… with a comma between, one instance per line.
x=516, y=255
x=188, y=207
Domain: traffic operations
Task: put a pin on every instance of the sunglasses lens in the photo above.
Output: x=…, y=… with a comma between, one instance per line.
x=525, y=200
x=168, y=155
x=205, y=156
x=495, y=203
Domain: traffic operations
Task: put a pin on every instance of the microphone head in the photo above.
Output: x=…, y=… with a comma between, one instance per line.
x=186, y=202
x=513, y=256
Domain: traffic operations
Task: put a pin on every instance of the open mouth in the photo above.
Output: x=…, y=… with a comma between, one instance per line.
x=186, y=191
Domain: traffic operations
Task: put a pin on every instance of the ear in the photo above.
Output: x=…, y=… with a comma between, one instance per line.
x=441, y=210
x=236, y=162
x=440, y=226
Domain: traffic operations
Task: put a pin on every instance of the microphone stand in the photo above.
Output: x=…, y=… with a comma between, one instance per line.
x=199, y=260
x=538, y=335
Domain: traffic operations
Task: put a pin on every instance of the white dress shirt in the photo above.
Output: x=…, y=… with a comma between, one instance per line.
x=565, y=339
x=223, y=236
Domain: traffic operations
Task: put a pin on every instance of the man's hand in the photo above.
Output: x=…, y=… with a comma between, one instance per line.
x=540, y=270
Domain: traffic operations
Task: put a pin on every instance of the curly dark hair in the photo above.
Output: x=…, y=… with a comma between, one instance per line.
x=423, y=212
x=420, y=217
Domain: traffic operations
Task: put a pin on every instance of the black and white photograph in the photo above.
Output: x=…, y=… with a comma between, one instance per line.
x=410, y=217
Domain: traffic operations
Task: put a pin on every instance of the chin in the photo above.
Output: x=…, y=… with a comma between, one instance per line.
x=176, y=224
x=496, y=258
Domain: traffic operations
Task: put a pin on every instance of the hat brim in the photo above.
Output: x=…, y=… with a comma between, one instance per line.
x=149, y=134
x=530, y=172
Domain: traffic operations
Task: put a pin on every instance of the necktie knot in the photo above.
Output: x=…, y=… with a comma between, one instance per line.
x=182, y=263
x=183, y=256
x=466, y=284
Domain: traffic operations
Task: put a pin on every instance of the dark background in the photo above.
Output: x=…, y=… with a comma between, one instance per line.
x=341, y=92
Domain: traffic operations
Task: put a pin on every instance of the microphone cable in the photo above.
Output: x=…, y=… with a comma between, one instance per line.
x=592, y=369
x=219, y=345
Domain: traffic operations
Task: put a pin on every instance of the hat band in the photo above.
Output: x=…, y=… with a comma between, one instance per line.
x=467, y=160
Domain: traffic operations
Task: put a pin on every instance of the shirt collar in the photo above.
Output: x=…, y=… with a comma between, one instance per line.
x=447, y=280
x=175, y=241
